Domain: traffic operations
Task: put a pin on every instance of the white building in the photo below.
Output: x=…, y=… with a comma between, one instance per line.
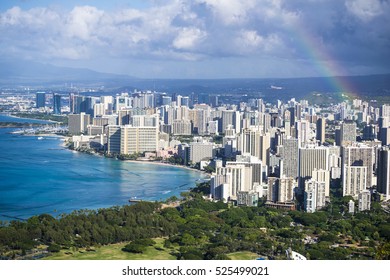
x=78, y=123
x=351, y=207
x=364, y=200
x=200, y=150
x=354, y=180
x=314, y=195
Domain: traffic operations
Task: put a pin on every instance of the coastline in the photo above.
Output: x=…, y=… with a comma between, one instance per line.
x=166, y=164
x=130, y=160
x=203, y=173
x=16, y=117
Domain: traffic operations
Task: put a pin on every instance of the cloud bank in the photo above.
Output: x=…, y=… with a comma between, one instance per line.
x=206, y=38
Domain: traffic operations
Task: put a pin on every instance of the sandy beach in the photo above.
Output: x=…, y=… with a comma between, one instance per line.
x=166, y=164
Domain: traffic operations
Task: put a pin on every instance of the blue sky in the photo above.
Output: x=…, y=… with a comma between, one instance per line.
x=201, y=38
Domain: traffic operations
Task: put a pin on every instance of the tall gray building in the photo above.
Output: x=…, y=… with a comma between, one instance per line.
x=383, y=185
x=78, y=123
x=289, y=155
x=40, y=99
x=347, y=133
x=320, y=130
x=114, y=139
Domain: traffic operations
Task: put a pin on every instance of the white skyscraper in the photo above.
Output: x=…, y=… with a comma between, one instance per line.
x=314, y=195
x=354, y=180
x=311, y=158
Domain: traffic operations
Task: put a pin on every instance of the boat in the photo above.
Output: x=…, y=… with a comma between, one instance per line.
x=134, y=199
x=40, y=138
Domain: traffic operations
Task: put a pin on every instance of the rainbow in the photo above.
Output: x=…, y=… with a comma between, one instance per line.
x=325, y=65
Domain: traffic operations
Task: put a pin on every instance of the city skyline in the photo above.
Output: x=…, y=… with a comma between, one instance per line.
x=201, y=39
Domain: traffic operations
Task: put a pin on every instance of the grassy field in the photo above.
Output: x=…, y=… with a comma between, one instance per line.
x=114, y=252
x=244, y=255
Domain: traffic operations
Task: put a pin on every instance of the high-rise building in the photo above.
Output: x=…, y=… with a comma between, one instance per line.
x=227, y=119
x=385, y=110
x=354, y=180
x=302, y=132
x=138, y=139
x=212, y=127
x=213, y=100
x=122, y=102
x=230, y=179
x=40, y=99
x=314, y=196
x=347, y=133
x=98, y=110
x=185, y=101
x=280, y=189
x=114, y=139
x=145, y=120
x=108, y=102
x=360, y=155
x=370, y=132
x=256, y=143
x=56, y=104
x=78, y=123
x=322, y=176
x=141, y=136
x=385, y=136
x=166, y=100
x=250, y=161
x=220, y=186
x=143, y=100
x=311, y=158
x=320, y=130
x=200, y=151
x=182, y=127
x=198, y=118
x=383, y=184
x=89, y=103
x=290, y=158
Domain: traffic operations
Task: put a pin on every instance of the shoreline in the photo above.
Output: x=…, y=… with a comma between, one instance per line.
x=131, y=160
x=16, y=117
x=165, y=164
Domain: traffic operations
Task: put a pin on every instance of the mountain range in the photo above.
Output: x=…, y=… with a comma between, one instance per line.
x=35, y=74
x=24, y=72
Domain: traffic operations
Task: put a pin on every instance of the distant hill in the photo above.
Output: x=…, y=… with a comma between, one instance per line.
x=368, y=87
x=21, y=72
x=365, y=87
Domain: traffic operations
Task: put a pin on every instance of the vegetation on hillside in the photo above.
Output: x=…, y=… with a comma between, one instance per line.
x=202, y=229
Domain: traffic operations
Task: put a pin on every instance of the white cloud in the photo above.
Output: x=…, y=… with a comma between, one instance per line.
x=83, y=22
x=231, y=12
x=188, y=38
x=201, y=30
x=365, y=10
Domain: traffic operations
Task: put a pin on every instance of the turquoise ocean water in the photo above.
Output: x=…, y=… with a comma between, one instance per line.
x=40, y=176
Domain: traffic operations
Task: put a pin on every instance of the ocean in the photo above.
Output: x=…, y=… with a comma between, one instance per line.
x=40, y=176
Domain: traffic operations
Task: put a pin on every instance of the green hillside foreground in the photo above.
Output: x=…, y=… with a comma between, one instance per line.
x=201, y=229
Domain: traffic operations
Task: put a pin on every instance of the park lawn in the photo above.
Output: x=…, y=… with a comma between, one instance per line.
x=114, y=252
x=242, y=255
